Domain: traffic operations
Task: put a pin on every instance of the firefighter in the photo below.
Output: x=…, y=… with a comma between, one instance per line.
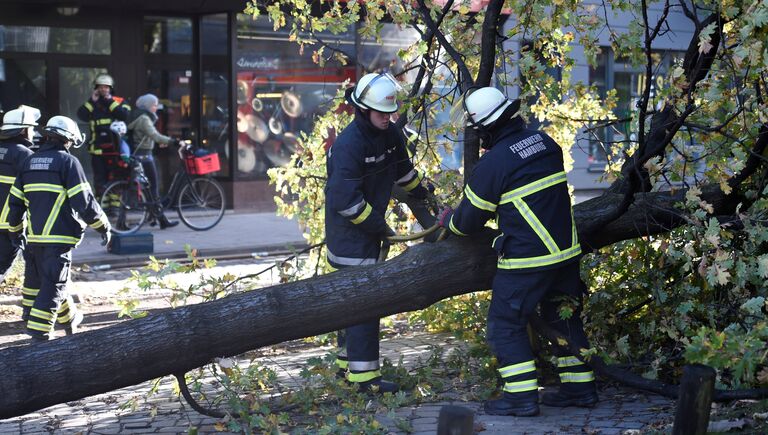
x=16, y=136
x=521, y=181
x=366, y=160
x=52, y=190
x=99, y=111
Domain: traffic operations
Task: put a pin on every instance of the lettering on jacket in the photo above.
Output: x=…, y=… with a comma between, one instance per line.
x=40, y=163
x=3, y=152
x=529, y=146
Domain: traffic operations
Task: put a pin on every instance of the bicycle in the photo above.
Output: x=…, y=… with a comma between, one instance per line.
x=198, y=199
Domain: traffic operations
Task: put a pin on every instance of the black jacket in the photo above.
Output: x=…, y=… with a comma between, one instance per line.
x=13, y=151
x=99, y=116
x=362, y=165
x=52, y=189
x=521, y=180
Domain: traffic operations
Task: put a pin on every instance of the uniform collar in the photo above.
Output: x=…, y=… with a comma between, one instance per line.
x=365, y=126
x=18, y=141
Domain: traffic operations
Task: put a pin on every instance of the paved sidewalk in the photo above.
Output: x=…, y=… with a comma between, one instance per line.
x=619, y=412
x=237, y=233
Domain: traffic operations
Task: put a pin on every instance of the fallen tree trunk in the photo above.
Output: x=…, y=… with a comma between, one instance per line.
x=179, y=340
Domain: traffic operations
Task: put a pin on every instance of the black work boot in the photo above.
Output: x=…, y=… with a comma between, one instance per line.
x=379, y=386
x=165, y=223
x=518, y=404
x=583, y=396
x=72, y=327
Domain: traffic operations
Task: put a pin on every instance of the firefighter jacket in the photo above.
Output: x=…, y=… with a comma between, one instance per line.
x=51, y=188
x=521, y=181
x=99, y=115
x=13, y=151
x=363, y=164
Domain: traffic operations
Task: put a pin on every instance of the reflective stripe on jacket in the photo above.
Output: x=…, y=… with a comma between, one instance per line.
x=52, y=190
x=362, y=165
x=521, y=180
x=99, y=115
x=13, y=151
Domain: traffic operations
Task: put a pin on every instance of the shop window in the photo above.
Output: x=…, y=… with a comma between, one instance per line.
x=280, y=90
x=381, y=55
x=41, y=39
x=618, y=73
x=215, y=88
x=167, y=35
x=22, y=82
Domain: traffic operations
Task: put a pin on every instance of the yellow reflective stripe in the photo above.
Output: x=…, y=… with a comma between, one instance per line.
x=99, y=223
x=54, y=215
x=363, y=215
x=43, y=187
x=39, y=326
x=15, y=191
x=103, y=121
x=536, y=225
x=68, y=240
x=88, y=106
x=453, y=228
x=574, y=231
x=521, y=386
x=477, y=201
x=534, y=187
x=568, y=361
x=6, y=179
x=413, y=183
x=342, y=363
x=30, y=291
x=27, y=302
x=113, y=106
x=77, y=189
x=577, y=377
x=544, y=260
x=16, y=229
x=364, y=376
x=4, y=214
x=518, y=369
x=127, y=107
x=40, y=314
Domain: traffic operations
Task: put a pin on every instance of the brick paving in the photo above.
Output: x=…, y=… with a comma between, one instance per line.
x=620, y=411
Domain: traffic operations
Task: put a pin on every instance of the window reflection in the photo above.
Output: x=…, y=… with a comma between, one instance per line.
x=167, y=35
x=215, y=88
x=41, y=39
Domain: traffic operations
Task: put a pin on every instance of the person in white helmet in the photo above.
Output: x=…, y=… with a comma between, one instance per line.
x=16, y=136
x=99, y=111
x=521, y=181
x=51, y=189
x=365, y=161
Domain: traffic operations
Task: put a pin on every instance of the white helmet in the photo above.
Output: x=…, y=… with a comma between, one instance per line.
x=377, y=92
x=104, y=79
x=118, y=127
x=66, y=129
x=22, y=117
x=483, y=106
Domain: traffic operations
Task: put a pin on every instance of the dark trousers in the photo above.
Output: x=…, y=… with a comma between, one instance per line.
x=45, y=279
x=101, y=169
x=8, y=253
x=150, y=170
x=515, y=297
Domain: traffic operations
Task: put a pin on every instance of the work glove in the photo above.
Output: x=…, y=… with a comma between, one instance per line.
x=18, y=240
x=419, y=192
x=444, y=216
x=385, y=244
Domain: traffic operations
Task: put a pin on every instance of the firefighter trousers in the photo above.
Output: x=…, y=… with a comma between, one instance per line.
x=45, y=287
x=8, y=253
x=515, y=297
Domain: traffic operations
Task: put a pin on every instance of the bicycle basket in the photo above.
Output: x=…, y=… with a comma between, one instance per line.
x=201, y=165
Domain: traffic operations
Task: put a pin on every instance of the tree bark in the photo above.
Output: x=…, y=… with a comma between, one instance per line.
x=180, y=340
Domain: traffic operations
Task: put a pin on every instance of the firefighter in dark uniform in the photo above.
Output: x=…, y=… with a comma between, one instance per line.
x=52, y=190
x=16, y=136
x=521, y=181
x=99, y=111
x=366, y=160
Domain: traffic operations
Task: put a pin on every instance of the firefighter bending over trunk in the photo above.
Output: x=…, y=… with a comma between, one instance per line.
x=521, y=180
x=51, y=188
x=15, y=142
x=367, y=159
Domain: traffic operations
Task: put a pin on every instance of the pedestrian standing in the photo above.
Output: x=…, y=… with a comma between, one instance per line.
x=99, y=111
x=521, y=181
x=51, y=189
x=366, y=160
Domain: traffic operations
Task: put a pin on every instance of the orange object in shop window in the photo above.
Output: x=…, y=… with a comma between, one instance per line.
x=201, y=165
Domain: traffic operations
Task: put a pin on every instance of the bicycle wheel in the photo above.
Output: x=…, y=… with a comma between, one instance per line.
x=201, y=204
x=124, y=204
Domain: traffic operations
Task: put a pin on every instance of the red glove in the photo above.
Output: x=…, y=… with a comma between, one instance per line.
x=444, y=217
